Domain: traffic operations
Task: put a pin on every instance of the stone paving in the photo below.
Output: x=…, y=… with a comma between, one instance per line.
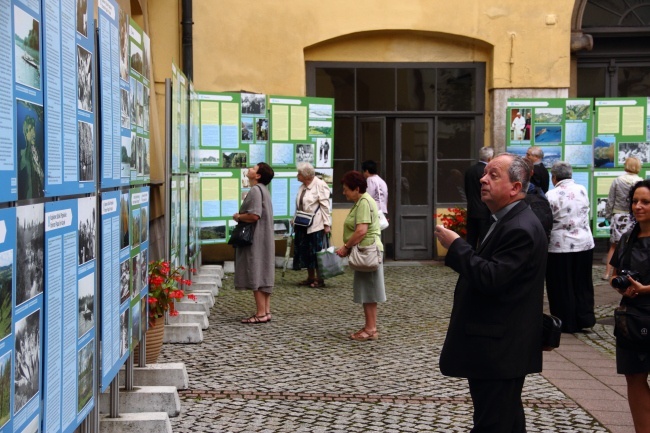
x=301, y=373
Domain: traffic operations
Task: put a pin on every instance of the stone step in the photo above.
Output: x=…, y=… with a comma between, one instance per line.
x=183, y=333
x=201, y=296
x=201, y=318
x=212, y=287
x=211, y=270
x=211, y=279
x=166, y=374
x=192, y=306
x=143, y=399
x=136, y=423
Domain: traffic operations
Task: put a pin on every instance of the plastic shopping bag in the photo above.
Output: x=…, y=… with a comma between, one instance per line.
x=329, y=264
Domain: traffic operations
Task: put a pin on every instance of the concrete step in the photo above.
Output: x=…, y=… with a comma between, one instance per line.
x=211, y=270
x=210, y=279
x=198, y=317
x=144, y=422
x=143, y=399
x=183, y=333
x=212, y=287
x=192, y=306
x=201, y=296
x=166, y=374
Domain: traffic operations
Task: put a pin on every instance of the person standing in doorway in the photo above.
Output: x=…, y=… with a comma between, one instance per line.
x=377, y=188
x=495, y=329
x=478, y=214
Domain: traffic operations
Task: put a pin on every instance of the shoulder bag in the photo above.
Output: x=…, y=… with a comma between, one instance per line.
x=242, y=234
x=551, y=332
x=368, y=258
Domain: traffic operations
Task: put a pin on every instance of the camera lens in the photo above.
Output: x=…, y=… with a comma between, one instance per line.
x=620, y=282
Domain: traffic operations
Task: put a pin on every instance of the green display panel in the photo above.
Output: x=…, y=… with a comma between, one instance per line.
x=622, y=130
x=220, y=143
x=302, y=130
x=602, y=181
x=563, y=128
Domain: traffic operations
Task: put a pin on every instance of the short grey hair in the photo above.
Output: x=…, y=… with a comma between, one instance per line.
x=562, y=170
x=519, y=171
x=536, y=151
x=306, y=169
x=485, y=153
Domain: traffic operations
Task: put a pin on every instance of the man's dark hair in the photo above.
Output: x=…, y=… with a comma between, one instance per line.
x=266, y=173
x=369, y=165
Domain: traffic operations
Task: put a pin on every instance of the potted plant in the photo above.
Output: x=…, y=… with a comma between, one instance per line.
x=165, y=286
x=454, y=219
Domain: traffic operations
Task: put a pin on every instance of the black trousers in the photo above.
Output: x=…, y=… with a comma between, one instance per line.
x=497, y=405
x=477, y=228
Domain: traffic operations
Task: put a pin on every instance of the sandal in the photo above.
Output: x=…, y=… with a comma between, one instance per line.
x=363, y=335
x=317, y=284
x=306, y=282
x=254, y=320
x=269, y=317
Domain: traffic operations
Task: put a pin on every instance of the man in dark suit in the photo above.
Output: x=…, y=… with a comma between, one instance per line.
x=495, y=329
x=540, y=173
x=478, y=214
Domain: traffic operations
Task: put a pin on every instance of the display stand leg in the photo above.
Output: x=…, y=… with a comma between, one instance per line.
x=115, y=396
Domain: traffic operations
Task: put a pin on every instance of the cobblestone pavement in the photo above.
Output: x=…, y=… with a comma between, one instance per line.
x=301, y=373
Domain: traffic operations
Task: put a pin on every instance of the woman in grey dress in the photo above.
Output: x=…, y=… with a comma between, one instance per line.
x=361, y=227
x=255, y=264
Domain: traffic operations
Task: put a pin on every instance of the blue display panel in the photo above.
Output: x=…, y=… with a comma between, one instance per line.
x=139, y=73
x=70, y=99
x=7, y=334
x=114, y=95
x=115, y=280
x=69, y=344
x=28, y=316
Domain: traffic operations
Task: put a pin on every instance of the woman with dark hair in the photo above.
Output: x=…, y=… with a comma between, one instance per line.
x=361, y=227
x=633, y=254
x=255, y=264
x=313, y=197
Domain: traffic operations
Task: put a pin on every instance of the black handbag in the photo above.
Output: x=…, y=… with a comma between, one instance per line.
x=242, y=235
x=632, y=327
x=551, y=332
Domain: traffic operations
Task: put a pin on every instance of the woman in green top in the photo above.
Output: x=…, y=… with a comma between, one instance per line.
x=362, y=227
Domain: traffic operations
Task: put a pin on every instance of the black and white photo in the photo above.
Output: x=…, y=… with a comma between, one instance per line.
x=305, y=153
x=124, y=109
x=323, y=145
x=124, y=45
x=125, y=277
x=86, y=152
x=86, y=304
x=641, y=151
x=87, y=229
x=84, y=79
x=30, y=240
x=253, y=103
x=136, y=315
x=132, y=102
x=124, y=332
x=28, y=359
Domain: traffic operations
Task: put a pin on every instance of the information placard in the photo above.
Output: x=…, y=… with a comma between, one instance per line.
x=621, y=131
x=139, y=85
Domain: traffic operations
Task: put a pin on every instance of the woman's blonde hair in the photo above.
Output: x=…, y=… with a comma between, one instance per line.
x=633, y=165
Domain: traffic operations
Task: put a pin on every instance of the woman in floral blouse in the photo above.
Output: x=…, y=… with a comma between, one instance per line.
x=569, y=283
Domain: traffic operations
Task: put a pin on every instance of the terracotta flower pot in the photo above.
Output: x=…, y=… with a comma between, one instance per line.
x=154, y=335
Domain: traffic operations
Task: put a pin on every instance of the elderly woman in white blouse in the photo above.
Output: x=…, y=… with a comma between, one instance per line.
x=569, y=284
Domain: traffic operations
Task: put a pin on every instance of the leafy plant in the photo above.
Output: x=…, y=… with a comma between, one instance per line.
x=165, y=284
x=454, y=219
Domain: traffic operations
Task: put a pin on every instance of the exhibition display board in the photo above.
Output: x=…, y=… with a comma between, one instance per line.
x=139, y=73
x=594, y=136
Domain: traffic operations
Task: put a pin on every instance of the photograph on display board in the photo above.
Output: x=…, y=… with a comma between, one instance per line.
x=579, y=154
x=86, y=304
x=146, y=55
x=578, y=111
x=245, y=181
x=82, y=17
x=604, y=150
x=85, y=362
x=124, y=46
x=144, y=231
x=548, y=134
x=320, y=128
x=575, y=132
x=262, y=129
x=135, y=227
x=136, y=58
x=305, y=153
x=139, y=166
x=5, y=388
x=124, y=109
x=552, y=154
x=124, y=221
x=520, y=125
x=247, y=128
x=282, y=154
x=125, y=157
x=641, y=151
x=27, y=49
x=145, y=157
x=142, y=259
x=86, y=151
x=252, y=103
x=320, y=111
x=212, y=231
x=87, y=229
x=30, y=239
x=31, y=161
x=139, y=109
x=6, y=300
x=124, y=332
x=28, y=359
x=234, y=159
x=145, y=108
x=547, y=115
x=136, y=313
x=84, y=79
x=125, y=277
x=209, y=158
x=135, y=281
x=134, y=151
x=323, y=146
x=132, y=103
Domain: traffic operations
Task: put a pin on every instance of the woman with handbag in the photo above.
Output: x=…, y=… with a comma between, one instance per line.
x=633, y=355
x=255, y=263
x=310, y=224
x=361, y=229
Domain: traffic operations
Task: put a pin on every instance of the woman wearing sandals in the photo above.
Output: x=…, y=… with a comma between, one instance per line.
x=361, y=227
x=255, y=264
x=313, y=197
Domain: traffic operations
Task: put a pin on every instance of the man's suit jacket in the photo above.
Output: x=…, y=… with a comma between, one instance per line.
x=495, y=329
x=475, y=207
x=540, y=176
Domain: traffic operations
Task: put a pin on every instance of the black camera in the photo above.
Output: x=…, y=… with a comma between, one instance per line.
x=621, y=282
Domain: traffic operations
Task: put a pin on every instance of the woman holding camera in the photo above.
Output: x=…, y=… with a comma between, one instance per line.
x=632, y=280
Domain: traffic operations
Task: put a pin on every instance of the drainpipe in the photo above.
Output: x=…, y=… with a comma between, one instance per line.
x=186, y=23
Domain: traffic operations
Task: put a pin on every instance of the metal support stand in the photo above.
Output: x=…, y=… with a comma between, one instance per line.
x=114, y=393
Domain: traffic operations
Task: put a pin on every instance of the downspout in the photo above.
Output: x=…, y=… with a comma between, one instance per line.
x=186, y=25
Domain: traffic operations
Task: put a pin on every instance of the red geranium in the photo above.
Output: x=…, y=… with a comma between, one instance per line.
x=165, y=285
x=454, y=219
